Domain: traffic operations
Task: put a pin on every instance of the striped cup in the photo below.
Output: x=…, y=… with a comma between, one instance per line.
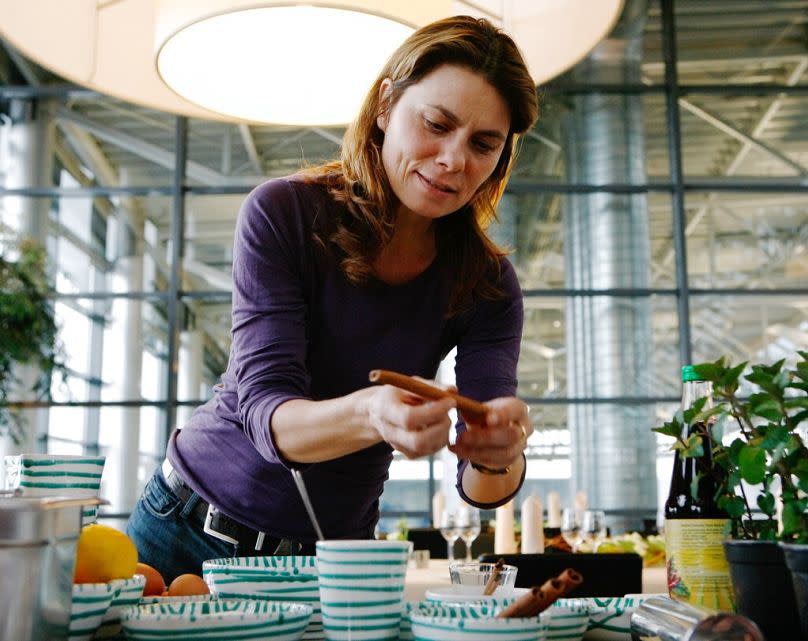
x=361, y=588
x=57, y=475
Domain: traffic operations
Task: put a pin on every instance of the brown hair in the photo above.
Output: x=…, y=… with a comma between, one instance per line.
x=359, y=181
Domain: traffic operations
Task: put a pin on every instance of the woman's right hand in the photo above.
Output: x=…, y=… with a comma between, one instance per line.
x=409, y=423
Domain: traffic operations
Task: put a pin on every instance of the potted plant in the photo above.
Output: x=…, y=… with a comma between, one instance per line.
x=28, y=330
x=760, y=462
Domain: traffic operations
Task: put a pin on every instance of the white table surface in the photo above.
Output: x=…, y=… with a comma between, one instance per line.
x=419, y=580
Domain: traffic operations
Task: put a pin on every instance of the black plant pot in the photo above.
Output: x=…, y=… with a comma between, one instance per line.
x=763, y=589
x=797, y=562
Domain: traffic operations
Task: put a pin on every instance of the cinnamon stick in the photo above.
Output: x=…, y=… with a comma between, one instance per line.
x=493, y=580
x=469, y=407
x=540, y=598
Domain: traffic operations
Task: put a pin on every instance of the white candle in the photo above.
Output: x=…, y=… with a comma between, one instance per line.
x=438, y=505
x=581, y=502
x=504, y=540
x=553, y=510
x=532, y=526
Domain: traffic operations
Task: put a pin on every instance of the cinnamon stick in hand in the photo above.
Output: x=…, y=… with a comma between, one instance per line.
x=469, y=407
x=493, y=580
x=540, y=598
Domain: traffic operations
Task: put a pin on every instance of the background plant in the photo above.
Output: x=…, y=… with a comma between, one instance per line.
x=767, y=455
x=28, y=329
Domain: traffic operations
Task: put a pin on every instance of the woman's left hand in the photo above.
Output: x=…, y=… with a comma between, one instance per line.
x=500, y=439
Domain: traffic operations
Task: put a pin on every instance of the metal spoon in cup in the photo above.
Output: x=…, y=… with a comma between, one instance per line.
x=304, y=494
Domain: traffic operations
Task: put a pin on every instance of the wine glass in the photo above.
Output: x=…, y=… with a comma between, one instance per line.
x=468, y=523
x=593, y=528
x=571, y=526
x=449, y=530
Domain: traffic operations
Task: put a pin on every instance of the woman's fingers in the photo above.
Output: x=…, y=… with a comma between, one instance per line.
x=501, y=438
x=415, y=427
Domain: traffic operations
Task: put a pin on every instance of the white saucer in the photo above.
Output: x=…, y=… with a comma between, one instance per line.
x=452, y=594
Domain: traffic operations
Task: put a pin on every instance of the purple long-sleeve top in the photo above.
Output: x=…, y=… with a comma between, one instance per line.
x=300, y=329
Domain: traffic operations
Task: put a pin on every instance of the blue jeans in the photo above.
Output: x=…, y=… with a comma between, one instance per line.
x=168, y=534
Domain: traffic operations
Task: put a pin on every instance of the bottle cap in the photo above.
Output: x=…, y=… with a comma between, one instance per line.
x=689, y=374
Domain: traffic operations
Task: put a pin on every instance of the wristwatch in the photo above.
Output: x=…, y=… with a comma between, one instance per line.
x=493, y=471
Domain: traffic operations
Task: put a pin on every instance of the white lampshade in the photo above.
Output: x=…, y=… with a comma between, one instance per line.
x=271, y=61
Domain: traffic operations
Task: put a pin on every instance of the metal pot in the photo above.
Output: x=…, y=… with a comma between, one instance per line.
x=38, y=539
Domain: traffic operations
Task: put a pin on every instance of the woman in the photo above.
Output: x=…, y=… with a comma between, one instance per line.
x=377, y=260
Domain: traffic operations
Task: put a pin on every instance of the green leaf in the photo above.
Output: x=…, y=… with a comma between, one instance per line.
x=710, y=371
x=735, y=451
x=765, y=502
x=766, y=406
x=730, y=377
x=752, y=463
x=673, y=429
x=695, y=446
x=765, y=381
x=733, y=505
x=717, y=430
x=792, y=515
x=798, y=401
x=691, y=412
x=774, y=436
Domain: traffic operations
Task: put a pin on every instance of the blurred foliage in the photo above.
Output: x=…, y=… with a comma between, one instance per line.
x=28, y=330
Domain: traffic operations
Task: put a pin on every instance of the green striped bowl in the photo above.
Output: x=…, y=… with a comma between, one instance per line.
x=127, y=593
x=218, y=620
x=90, y=604
x=361, y=588
x=433, y=609
x=471, y=624
x=293, y=579
x=609, y=617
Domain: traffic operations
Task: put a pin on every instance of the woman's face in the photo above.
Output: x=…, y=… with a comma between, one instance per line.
x=442, y=139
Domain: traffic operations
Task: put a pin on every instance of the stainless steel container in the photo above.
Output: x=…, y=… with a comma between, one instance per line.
x=660, y=618
x=37, y=555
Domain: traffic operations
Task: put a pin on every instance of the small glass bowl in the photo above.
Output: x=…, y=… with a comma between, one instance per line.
x=477, y=575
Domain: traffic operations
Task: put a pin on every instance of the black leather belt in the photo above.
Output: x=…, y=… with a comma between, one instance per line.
x=221, y=526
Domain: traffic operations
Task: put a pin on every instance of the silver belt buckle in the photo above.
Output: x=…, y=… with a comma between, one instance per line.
x=168, y=469
x=208, y=530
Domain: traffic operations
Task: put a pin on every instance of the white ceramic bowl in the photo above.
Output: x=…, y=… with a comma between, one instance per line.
x=470, y=624
x=292, y=579
x=231, y=619
x=434, y=609
x=609, y=617
x=90, y=603
x=128, y=592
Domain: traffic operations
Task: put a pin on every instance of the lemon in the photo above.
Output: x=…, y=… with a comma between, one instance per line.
x=104, y=553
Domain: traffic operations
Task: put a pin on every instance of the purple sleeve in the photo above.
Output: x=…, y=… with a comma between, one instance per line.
x=487, y=356
x=269, y=310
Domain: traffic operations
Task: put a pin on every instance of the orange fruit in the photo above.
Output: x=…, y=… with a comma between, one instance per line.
x=188, y=585
x=155, y=584
x=102, y=554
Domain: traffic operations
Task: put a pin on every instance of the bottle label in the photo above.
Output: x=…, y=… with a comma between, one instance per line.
x=698, y=571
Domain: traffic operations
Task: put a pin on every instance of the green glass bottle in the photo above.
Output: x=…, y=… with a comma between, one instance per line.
x=695, y=527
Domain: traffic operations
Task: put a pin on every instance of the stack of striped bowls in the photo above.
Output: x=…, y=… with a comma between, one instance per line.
x=66, y=475
x=291, y=579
